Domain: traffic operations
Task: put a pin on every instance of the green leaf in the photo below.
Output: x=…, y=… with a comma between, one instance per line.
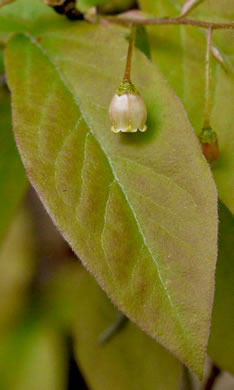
x=29, y=15
x=12, y=175
x=107, y=6
x=1, y=65
x=214, y=11
x=142, y=41
x=179, y=51
x=16, y=269
x=139, y=210
x=85, y=4
x=130, y=360
x=221, y=342
x=32, y=356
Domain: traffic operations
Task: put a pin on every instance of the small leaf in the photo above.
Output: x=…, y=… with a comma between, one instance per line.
x=139, y=210
x=130, y=360
x=221, y=342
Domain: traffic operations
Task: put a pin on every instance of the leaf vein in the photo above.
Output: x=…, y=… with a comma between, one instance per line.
x=69, y=88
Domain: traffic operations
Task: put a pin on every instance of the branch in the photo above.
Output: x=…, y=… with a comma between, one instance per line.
x=212, y=378
x=187, y=383
x=114, y=329
x=169, y=21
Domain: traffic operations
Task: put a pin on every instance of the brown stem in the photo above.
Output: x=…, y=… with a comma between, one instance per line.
x=5, y=2
x=170, y=21
x=127, y=75
x=207, y=81
x=187, y=383
x=114, y=329
x=215, y=372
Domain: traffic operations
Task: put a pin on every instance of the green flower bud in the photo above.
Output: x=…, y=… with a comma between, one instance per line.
x=208, y=136
x=127, y=110
x=210, y=147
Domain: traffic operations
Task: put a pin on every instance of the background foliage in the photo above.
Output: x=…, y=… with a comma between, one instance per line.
x=139, y=210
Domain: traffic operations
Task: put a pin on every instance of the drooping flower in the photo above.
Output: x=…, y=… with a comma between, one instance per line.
x=127, y=110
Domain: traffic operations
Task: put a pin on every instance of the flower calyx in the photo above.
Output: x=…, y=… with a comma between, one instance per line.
x=127, y=87
x=210, y=147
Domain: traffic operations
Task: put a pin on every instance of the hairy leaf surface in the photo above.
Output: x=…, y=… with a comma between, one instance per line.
x=130, y=360
x=139, y=210
x=179, y=51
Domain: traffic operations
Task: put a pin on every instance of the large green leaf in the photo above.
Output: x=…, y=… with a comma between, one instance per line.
x=131, y=360
x=139, y=210
x=179, y=51
x=221, y=342
x=12, y=177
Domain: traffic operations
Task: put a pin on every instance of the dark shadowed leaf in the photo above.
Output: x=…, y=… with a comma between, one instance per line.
x=16, y=269
x=130, y=360
x=12, y=177
x=221, y=342
x=32, y=356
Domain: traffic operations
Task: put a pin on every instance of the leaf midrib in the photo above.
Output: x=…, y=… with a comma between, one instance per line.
x=64, y=82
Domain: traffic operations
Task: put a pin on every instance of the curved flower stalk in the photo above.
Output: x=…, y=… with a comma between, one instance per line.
x=208, y=137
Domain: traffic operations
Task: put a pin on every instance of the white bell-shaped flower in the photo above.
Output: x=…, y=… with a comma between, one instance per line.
x=127, y=110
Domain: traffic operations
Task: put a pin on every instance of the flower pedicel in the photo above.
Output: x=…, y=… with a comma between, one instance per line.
x=127, y=110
